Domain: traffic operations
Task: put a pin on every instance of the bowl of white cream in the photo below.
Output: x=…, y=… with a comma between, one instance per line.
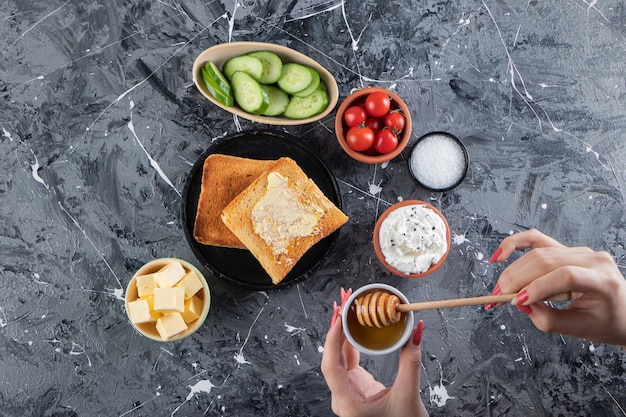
x=412, y=239
x=439, y=161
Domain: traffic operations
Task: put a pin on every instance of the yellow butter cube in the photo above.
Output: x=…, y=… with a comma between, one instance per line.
x=169, y=275
x=139, y=311
x=193, y=309
x=191, y=283
x=170, y=325
x=154, y=315
x=145, y=284
x=169, y=299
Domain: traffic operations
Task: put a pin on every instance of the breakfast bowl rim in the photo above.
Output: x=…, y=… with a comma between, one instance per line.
x=466, y=160
x=381, y=256
x=282, y=51
x=196, y=323
x=406, y=334
x=403, y=140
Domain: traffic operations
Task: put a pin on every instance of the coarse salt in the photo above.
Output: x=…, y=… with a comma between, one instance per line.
x=438, y=162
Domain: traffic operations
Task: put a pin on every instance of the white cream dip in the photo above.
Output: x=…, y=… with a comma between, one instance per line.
x=412, y=238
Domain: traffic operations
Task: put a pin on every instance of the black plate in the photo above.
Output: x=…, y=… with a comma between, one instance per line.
x=239, y=266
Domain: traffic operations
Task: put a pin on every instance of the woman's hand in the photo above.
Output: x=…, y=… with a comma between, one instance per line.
x=598, y=310
x=355, y=392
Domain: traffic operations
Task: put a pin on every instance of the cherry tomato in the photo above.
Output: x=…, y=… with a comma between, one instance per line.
x=386, y=141
x=394, y=120
x=360, y=138
x=354, y=116
x=374, y=123
x=377, y=104
x=371, y=151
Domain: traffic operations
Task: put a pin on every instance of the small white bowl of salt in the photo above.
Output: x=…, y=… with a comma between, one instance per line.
x=439, y=161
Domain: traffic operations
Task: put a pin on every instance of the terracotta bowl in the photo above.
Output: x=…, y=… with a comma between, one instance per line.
x=221, y=53
x=381, y=256
x=149, y=329
x=341, y=128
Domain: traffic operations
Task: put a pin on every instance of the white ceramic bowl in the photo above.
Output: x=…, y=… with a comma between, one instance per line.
x=221, y=53
x=371, y=340
x=149, y=329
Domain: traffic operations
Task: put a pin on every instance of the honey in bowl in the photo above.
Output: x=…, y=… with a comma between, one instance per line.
x=375, y=338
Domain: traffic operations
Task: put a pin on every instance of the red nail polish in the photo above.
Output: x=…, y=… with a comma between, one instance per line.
x=496, y=291
x=345, y=295
x=417, y=333
x=495, y=255
x=335, y=314
x=521, y=298
x=524, y=309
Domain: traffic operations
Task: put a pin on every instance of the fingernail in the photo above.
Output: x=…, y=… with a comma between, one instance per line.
x=524, y=309
x=345, y=294
x=417, y=333
x=520, y=298
x=496, y=291
x=495, y=255
x=335, y=314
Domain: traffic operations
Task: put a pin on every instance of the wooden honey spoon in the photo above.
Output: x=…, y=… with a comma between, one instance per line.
x=381, y=308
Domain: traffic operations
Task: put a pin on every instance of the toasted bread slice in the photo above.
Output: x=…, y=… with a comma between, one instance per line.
x=280, y=216
x=223, y=177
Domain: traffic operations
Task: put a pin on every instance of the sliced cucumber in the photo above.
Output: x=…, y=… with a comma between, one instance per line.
x=244, y=63
x=278, y=101
x=315, y=83
x=272, y=66
x=303, y=107
x=217, y=76
x=214, y=89
x=249, y=94
x=295, y=78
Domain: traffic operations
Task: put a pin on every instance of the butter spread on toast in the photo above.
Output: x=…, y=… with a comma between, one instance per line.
x=279, y=216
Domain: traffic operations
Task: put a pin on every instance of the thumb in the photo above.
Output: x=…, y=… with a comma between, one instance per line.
x=569, y=322
x=408, y=379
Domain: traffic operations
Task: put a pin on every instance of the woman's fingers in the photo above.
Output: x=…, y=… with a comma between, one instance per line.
x=593, y=275
x=408, y=378
x=597, y=311
x=529, y=239
x=546, y=255
x=405, y=392
x=351, y=355
x=539, y=262
x=570, y=278
x=552, y=320
x=333, y=360
x=590, y=324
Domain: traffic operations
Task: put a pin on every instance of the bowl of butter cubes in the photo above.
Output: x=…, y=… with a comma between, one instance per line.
x=167, y=299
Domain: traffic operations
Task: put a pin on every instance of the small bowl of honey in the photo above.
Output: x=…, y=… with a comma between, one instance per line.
x=376, y=341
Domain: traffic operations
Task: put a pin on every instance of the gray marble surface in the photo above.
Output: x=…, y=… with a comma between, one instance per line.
x=101, y=124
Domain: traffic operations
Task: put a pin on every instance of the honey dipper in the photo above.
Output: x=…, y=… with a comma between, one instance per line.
x=381, y=308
